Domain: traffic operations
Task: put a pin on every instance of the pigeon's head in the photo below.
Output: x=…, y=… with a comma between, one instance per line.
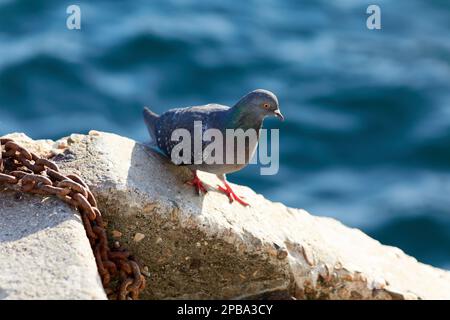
x=261, y=102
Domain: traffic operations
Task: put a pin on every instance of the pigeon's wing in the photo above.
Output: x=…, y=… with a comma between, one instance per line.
x=208, y=116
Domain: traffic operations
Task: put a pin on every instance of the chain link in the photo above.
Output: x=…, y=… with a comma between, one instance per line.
x=25, y=171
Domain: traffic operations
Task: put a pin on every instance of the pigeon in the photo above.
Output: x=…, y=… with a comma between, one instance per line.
x=248, y=113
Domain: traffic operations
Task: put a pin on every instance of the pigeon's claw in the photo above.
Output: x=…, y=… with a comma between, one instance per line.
x=198, y=185
x=231, y=195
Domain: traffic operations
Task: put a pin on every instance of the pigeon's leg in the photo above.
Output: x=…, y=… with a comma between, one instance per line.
x=197, y=183
x=229, y=192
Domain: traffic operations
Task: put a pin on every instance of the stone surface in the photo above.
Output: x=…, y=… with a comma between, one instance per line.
x=206, y=248
x=44, y=252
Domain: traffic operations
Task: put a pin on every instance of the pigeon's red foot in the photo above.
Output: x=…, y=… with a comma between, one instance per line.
x=198, y=184
x=231, y=195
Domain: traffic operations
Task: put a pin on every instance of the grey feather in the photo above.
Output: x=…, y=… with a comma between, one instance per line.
x=150, y=119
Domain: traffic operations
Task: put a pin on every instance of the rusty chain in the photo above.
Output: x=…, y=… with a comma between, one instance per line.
x=27, y=172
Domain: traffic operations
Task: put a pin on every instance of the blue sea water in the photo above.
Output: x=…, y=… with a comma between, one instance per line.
x=367, y=133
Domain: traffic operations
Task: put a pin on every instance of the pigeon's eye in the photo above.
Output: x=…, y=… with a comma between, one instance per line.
x=266, y=105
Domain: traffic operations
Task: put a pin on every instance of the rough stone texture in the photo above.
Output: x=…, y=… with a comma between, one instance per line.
x=206, y=248
x=44, y=252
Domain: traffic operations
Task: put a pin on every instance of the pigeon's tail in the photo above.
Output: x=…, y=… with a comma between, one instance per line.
x=150, y=119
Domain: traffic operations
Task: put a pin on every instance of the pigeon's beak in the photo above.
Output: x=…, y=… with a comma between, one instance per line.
x=279, y=115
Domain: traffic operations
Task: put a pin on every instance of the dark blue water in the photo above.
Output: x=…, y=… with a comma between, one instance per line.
x=367, y=135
